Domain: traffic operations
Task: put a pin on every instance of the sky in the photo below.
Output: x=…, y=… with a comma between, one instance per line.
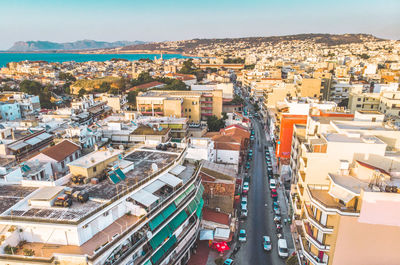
x=160, y=20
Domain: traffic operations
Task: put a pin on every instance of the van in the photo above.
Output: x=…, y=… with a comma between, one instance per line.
x=283, y=251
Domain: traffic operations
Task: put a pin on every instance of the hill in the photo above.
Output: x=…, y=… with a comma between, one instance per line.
x=32, y=46
x=246, y=42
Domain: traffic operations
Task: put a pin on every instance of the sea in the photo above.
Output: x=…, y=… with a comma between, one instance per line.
x=77, y=57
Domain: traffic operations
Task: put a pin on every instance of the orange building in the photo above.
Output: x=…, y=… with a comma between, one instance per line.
x=284, y=144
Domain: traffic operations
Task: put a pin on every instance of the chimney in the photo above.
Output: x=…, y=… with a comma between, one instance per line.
x=344, y=167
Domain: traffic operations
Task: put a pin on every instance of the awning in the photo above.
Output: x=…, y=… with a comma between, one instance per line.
x=121, y=174
x=199, y=208
x=177, y=170
x=145, y=198
x=33, y=141
x=341, y=194
x=169, y=244
x=206, y=234
x=156, y=221
x=155, y=186
x=160, y=237
x=171, y=180
x=44, y=136
x=17, y=146
x=169, y=210
x=222, y=233
x=178, y=220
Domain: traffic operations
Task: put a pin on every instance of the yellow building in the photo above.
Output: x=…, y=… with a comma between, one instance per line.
x=310, y=87
x=93, y=164
x=194, y=105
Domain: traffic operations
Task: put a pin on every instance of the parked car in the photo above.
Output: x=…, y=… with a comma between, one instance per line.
x=245, y=187
x=267, y=243
x=268, y=159
x=242, y=235
x=283, y=251
x=244, y=201
x=272, y=184
x=229, y=262
x=243, y=212
x=277, y=211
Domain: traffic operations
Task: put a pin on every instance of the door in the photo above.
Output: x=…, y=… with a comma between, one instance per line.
x=324, y=217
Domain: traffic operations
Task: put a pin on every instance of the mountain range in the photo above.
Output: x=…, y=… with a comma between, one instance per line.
x=34, y=46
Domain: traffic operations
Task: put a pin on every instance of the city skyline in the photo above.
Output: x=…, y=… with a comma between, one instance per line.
x=178, y=20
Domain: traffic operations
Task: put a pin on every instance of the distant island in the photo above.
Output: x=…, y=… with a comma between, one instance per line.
x=39, y=46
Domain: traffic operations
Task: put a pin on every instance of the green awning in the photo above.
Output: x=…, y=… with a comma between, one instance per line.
x=199, y=195
x=192, y=206
x=156, y=221
x=120, y=174
x=160, y=237
x=169, y=244
x=169, y=210
x=147, y=263
x=199, y=208
x=189, y=190
x=157, y=256
x=178, y=220
x=180, y=198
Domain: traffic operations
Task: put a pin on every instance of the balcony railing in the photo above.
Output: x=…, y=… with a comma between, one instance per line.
x=315, y=222
x=310, y=237
x=308, y=254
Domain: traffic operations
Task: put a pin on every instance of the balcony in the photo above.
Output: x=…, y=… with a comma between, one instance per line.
x=321, y=198
x=308, y=254
x=302, y=175
x=206, y=102
x=310, y=237
x=315, y=222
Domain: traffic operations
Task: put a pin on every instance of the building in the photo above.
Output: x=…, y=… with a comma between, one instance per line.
x=118, y=103
x=310, y=87
x=60, y=155
x=146, y=210
x=194, y=105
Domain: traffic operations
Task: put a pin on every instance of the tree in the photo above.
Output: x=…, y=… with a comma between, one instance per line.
x=31, y=87
x=237, y=100
x=214, y=124
x=188, y=67
x=292, y=260
x=66, y=77
x=82, y=92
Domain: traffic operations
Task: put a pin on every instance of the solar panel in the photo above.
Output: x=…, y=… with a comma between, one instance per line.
x=120, y=174
x=114, y=178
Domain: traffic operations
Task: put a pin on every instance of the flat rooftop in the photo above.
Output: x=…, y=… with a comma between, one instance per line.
x=342, y=138
x=144, y=161
x=95, y=158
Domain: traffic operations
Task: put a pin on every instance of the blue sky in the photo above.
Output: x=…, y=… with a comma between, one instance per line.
x=155, y=20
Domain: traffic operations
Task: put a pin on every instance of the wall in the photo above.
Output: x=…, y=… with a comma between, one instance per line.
x=310, y=87
x=366, y=244
x=173, y=107
x=192, y=107
x=283, y=146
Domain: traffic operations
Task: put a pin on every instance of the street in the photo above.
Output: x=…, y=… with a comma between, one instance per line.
x=260, y=213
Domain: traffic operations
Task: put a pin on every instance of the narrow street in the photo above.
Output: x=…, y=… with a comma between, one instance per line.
x=260, y=213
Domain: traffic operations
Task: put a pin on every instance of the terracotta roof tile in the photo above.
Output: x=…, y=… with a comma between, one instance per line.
x=61, y=150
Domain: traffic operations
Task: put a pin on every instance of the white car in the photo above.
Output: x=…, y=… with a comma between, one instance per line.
x=245, y=186
x=244, y=201
x=272, y=184
x=242, y=235
x=267, y=243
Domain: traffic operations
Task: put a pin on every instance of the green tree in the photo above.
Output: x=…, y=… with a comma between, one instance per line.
x=256, y=107
x=31, y=87
x=188, y=67
x=132, y=98
x=82, y=92
x=214, y=124
x=66, y=77
x=292, y=260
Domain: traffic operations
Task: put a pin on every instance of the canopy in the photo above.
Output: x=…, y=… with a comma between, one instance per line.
x=144, y=197
x=341, y=194
x=171, y=180
x=155, y=186
x=177, y=170
x=221, y=246
x=206, y=234
x=222, y=233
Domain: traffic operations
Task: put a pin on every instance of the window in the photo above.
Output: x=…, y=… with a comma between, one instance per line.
x=358, y=106
x=62, y=164
x=70, y=158
x=94, y=169
x=190, y=117
x=185, y=110
x=190, y=110
x=76, y=155
x=358, y=99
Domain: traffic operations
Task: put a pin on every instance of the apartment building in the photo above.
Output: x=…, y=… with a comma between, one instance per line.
x=339, y=166
x=387, y=102
x=194, y=105
x=144, y=209
x=309, y=87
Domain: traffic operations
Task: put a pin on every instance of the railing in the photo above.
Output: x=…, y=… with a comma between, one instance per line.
x=341, y=209
x=315, y=222
x=307, y=253
x=309, y=236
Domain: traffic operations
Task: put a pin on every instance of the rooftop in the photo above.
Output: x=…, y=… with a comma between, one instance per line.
x=95, y=158
x=61, y=150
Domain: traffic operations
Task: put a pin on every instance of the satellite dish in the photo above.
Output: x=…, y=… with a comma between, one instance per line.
x=149, y=234
x=154, y=167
